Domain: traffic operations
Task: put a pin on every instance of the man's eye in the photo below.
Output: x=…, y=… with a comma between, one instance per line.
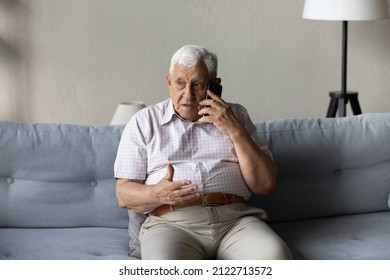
x=180, y=84
x=198, y=86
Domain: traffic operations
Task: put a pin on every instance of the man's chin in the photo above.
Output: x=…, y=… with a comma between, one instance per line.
x=189, y=116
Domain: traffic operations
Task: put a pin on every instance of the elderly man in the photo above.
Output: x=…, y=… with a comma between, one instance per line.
x=190, y=163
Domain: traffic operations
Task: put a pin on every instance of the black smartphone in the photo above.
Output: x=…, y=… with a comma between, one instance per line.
x=215, y=88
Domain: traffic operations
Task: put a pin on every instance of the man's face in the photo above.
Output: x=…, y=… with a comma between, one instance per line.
x=187, y=87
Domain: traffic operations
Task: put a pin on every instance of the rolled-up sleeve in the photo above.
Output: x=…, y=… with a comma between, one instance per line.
x=131, y=160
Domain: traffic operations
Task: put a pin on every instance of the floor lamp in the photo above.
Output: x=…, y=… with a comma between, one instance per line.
x=345, y=10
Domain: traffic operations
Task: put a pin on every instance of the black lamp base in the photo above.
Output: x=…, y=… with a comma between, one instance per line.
x=339, y=100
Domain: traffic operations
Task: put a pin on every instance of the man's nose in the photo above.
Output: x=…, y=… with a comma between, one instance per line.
x=189, y=92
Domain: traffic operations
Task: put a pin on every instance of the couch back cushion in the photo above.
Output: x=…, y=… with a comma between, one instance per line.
x=58, y=176
x=328, y=167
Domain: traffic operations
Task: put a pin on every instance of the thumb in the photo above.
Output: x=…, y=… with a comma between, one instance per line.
x=170, y=172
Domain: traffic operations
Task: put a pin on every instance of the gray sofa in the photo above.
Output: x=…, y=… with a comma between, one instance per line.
x=57, y=192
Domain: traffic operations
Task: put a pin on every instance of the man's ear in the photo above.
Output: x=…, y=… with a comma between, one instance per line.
x=168, y=78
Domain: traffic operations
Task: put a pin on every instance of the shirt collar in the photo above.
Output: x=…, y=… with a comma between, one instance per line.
x=169, y=113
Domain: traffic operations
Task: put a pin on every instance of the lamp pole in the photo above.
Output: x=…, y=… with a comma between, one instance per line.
x=339, y=99
x=344, y=58
x=344, y=94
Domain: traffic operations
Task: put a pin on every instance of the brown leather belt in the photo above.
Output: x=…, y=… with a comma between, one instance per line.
x=210, y=199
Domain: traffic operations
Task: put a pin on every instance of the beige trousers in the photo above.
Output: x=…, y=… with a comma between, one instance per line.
x=235, y=231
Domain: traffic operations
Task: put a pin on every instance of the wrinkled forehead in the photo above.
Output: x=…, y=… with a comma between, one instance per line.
x=198, y=72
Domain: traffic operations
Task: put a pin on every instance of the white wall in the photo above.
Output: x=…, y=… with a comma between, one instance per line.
x=73, y=61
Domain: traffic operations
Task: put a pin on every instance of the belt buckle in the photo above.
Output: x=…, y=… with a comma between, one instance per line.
x=204, y=204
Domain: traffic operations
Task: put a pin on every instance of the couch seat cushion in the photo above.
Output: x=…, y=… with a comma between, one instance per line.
x=351, y=237
x=63, y=243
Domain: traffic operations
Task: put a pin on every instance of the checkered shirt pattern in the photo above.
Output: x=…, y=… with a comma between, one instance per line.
x=199, y=152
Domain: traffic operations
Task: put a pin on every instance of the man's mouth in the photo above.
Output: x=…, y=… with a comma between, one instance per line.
x=188, y=105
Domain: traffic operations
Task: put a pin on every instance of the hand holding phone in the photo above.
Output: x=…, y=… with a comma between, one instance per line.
x=214, y=88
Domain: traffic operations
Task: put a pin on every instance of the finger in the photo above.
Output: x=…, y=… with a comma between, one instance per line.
x=212, y=94
x=215, y=97
x=170, y=173
x=205, y=111
x=182, y=196
x=216, y=103
x=187, y=198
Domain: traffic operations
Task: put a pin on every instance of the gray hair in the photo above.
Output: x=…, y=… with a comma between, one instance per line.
x=191, y=55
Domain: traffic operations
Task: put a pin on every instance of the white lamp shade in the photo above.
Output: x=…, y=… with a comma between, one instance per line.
x=125, y=111
x=345, y=10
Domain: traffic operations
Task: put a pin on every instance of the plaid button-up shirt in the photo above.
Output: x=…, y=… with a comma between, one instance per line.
x=199, y=152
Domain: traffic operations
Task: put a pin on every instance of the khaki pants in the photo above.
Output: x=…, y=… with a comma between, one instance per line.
x=234, y=231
